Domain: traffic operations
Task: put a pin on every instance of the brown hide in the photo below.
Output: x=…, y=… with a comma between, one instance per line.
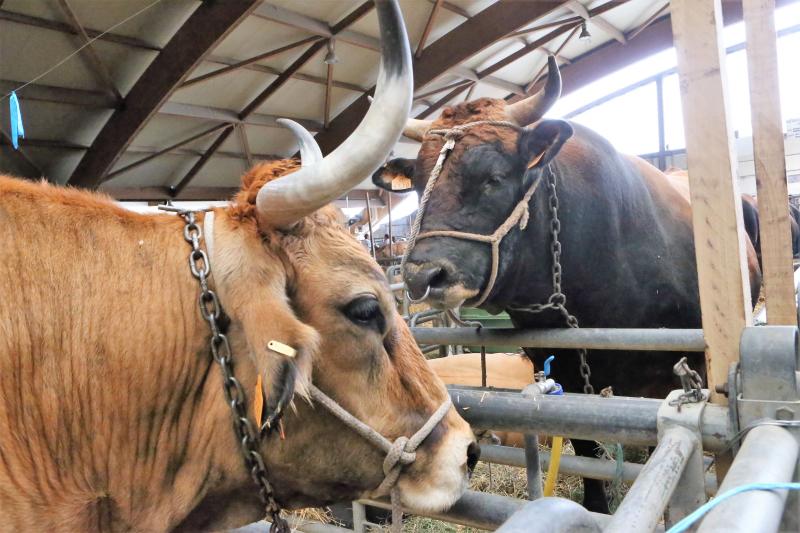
x=111, y=408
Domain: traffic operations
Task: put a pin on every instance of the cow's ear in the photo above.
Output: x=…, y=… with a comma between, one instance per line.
x=397, y=175
x=540, y=144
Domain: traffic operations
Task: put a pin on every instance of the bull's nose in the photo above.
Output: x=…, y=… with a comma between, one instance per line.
x=473, y=454
x=419, y=281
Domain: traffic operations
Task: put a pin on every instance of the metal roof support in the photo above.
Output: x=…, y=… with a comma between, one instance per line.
x=297, y=75
x=533, y=81
x=328, y=85
x=579, y=9
x=335, y=30
x=98, y=67
x=466, y=40
x=28, y=168
x=168, y=149
x=245, y=145
x=428, y=27
x=500, y=64
x=202, y=31
x=19, y=18
x=239, y=64
x=59, y=95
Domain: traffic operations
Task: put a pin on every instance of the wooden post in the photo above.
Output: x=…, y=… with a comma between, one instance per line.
x=770, y=161
x=369, y=224
x=716, y=205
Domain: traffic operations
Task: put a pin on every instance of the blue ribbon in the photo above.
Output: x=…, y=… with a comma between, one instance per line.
x=17, y=129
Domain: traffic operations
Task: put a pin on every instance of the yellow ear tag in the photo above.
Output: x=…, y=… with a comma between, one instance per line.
x=400, y=183
x=258, y=401
x=281, y=348
x=535, y=161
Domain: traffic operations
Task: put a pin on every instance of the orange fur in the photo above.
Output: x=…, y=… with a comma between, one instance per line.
x=111, y=408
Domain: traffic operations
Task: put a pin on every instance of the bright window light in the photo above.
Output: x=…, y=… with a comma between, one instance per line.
x=408, y=205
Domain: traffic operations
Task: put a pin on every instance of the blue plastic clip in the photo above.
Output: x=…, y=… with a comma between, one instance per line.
x=558, y=390
x=17, y=129
x=547, y=365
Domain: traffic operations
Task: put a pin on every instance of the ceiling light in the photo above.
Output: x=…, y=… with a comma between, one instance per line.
x=585, y=35
x=330, y=57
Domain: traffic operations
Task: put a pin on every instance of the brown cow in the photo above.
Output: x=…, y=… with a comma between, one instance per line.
x=112, y=413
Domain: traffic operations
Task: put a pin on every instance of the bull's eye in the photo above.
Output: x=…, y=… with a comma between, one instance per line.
x=365, y=311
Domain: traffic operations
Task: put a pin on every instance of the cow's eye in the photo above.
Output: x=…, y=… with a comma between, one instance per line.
x=365, y=311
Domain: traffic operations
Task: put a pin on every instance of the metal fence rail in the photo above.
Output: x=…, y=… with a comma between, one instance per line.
x=672, y=340
x=616, y=419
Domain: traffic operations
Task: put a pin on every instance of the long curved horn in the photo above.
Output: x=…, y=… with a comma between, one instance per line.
x=416, y=128
x=310, y=154
x=534, y=107
x=282, y=202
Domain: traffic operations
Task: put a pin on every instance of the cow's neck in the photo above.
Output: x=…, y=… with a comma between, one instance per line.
x=625, y=255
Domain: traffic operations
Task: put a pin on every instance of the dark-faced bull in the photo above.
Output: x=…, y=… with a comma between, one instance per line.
x=626, y=255
x=112, y=412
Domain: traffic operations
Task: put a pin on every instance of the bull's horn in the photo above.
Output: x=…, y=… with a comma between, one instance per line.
x=534, y=107
x=284, y=201
x=310, y=154
x=416, y=128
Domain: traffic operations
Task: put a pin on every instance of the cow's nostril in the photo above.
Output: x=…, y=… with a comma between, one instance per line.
x=473, y=454
x=419, y=281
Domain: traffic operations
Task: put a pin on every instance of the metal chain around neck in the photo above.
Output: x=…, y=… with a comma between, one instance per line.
x=211, y=310
x=558, y=300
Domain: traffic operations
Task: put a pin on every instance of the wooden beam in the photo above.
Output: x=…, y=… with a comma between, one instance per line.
x=47, y=24
x=201, y=32
x=240, y=64
x=452, y=49
x=723, y=282
x=428, y=27
x=770, y=161
x=97, y=66
x=546, y=26
x=446, y=98
x=422, y=96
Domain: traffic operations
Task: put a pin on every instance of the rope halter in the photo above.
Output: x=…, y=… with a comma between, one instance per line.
x=399, y=453
x=518, y=217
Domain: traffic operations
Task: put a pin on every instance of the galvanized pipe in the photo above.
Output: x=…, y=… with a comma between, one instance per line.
x=768, y=454
x=551, y=515
x=616, y=419
x=573, y=465
x=643, y=507
x=477, y=509
x=673, y=340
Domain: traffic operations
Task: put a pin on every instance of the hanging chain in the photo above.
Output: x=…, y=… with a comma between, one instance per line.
x=211, y=310
x=558, y=300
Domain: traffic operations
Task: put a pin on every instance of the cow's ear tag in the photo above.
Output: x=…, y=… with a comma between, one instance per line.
x=400, y=183
x=535, y=160
x=258, y=401
x=281, y=348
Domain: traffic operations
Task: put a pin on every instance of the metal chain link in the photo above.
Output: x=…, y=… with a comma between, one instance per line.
x=211, y=310
x=558, y=300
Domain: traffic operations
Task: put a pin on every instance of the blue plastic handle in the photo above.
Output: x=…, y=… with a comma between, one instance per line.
x=17, y=129
x=547, y=365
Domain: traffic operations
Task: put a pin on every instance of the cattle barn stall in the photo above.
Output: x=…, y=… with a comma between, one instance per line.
x=180, y=99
